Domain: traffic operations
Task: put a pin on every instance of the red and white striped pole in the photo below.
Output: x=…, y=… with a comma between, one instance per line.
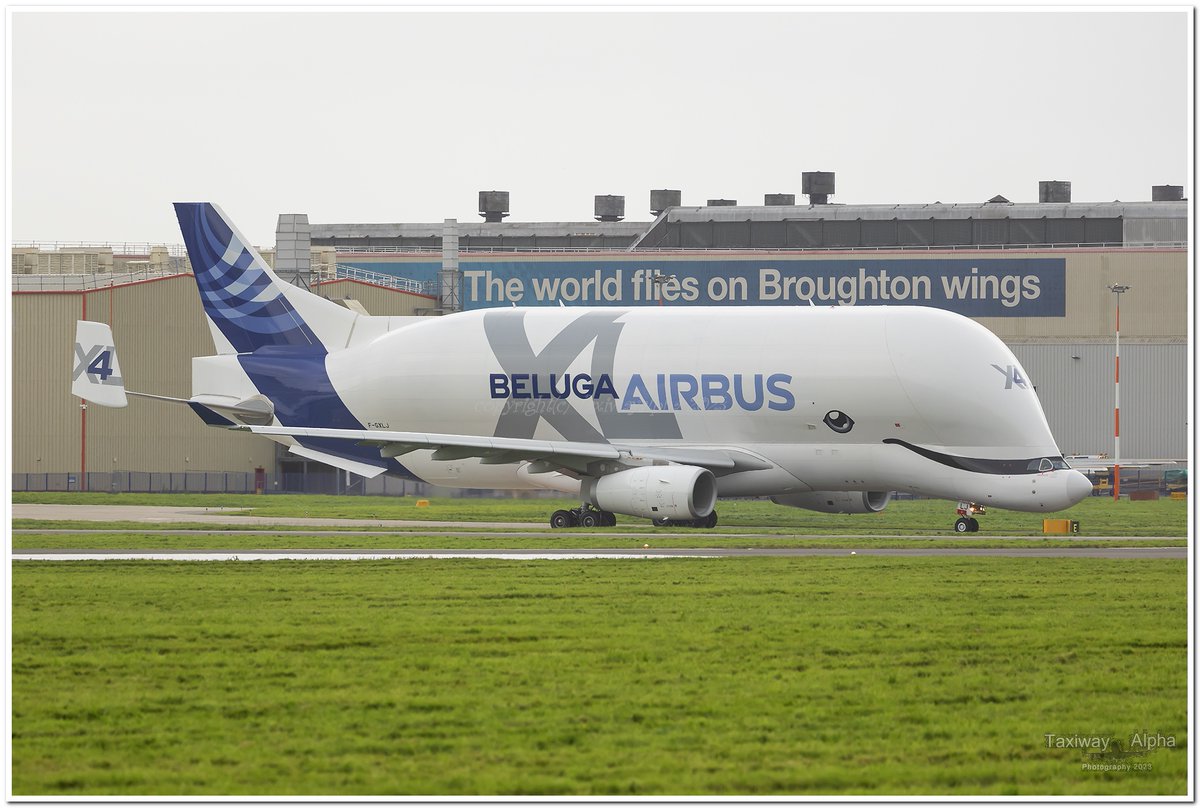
x=1117, y=289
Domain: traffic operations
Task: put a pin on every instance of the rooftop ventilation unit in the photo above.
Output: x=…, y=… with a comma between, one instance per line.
x=722, y=203
x=773, y=200
x=493, y=205
x=1054, y=191
x=817, y=186
x=1166, y=193
x=610, y=208
x=663, y=199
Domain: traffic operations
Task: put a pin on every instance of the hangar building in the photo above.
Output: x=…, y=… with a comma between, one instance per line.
x=1037, y=274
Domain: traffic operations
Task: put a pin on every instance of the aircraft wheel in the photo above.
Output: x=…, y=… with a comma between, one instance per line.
x=660, y=522
x=589, y=519
x=610, y=520
x=961, y=525
x=710, y=521
x=974, y=526
x=561, y=519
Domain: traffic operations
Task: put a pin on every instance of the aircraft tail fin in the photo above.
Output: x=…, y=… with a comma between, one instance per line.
x=97, y=375
x=247, y=305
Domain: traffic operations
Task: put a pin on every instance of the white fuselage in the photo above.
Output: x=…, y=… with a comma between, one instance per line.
x=830, y=398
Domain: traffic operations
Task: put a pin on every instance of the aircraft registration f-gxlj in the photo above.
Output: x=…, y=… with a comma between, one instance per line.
x=652, y=412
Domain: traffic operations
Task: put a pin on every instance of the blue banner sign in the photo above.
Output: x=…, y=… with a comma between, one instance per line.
x=984, y=287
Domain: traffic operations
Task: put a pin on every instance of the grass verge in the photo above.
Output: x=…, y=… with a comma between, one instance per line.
x=1097, y=516
x=734, y=676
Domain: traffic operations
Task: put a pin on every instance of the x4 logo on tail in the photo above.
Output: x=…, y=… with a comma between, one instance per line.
x=97, y=363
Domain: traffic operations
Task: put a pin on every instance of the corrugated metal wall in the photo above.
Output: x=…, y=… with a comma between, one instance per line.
x=1141, y=231
x=1077, y=395
x=158, y=326
x=46, y=417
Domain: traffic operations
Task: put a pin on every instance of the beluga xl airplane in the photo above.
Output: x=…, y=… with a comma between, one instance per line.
x=650, y=412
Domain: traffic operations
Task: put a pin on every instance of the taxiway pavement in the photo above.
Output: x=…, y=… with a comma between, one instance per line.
x=1120, y=547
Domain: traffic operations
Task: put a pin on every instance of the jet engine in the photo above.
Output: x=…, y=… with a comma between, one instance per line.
x=655, y=492
x=837, y=501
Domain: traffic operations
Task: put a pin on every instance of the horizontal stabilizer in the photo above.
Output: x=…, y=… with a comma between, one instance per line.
x=218, y=410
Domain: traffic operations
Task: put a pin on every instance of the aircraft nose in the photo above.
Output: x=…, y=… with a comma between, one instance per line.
x=1078, y=486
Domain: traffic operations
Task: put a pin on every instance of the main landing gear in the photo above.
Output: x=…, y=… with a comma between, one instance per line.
x=588, y=515
x=705, y=522
x=585, y=515
x=966, y=522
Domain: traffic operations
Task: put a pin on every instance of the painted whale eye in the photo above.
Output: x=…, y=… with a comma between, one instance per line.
x=839, y=421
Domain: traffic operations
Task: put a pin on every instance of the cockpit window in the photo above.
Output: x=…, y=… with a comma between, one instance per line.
x=1042, y=464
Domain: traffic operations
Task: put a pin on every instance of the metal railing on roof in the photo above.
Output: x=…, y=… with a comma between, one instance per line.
x=1109, y=245
x=348, y=272
x=87, y=282
x=393, y=249
x=344, y=249
x=117, y=247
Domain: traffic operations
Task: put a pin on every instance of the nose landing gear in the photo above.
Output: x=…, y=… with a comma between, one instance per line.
x=966, y=522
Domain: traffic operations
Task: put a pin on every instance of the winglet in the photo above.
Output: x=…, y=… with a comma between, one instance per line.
x=97, y=375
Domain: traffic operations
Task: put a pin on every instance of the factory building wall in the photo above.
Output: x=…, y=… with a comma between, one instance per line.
x=1073, y=300
x=158, y=326
x=1155, y=308
x=1075, y=384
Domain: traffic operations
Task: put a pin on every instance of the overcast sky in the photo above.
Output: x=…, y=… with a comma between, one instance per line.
x=405, y=117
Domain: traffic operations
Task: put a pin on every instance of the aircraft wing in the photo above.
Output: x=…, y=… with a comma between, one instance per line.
x=547, y=455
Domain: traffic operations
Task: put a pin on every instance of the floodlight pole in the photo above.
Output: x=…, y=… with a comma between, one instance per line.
x=1117, y=289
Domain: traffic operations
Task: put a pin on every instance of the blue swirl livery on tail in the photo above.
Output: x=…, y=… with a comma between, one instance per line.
x=243, y=299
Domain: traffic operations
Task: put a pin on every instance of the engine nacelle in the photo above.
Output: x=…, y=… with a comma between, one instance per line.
x=655, y=492
x=837, y=501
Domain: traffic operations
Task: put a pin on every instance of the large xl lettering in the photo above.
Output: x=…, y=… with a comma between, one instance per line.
x=505, y=331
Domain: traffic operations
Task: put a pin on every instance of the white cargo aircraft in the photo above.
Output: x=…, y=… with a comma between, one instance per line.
x=651, y=412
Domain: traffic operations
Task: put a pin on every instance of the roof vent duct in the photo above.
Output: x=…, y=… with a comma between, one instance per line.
x=722, y=203
x=817, y=186
x=493, y=205
x=774, y=200
x=610, y=208
x=1166, y=193
x=661, y=200
x=1054, y=191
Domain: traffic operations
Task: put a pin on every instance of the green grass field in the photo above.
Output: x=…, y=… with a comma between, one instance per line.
x=1097, y=516
x=734, y=676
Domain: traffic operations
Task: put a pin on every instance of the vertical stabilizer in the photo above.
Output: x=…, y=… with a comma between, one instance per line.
x=248, y=307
